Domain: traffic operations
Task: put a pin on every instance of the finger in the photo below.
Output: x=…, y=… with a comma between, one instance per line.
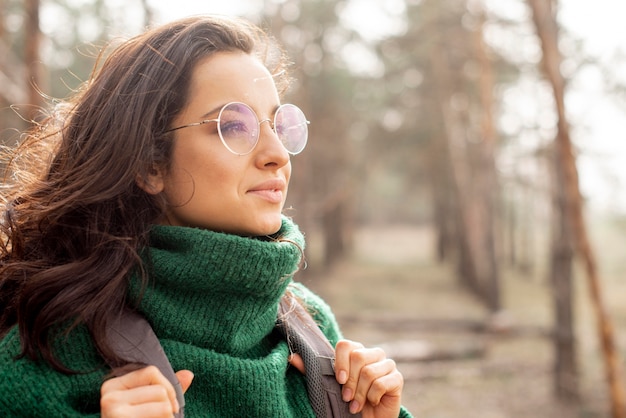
x=136, y=402
x=143, y=395
x=342, y=359
x=368, y=376
x=369, y=388
x=385, y=385
x=359, y=358
x=296, y=361
x=185, y=377
x=386, y=406
x=147, y=376
x=152, y=410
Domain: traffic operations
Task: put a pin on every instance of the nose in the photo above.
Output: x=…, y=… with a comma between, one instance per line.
x=271, y=151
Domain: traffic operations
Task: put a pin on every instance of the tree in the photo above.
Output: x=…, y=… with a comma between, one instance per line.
x=13, y=81
x=32, y=45
x=561, y=259
x=544, y=17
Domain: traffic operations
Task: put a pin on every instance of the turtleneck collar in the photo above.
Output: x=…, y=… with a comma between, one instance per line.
x=216, y=290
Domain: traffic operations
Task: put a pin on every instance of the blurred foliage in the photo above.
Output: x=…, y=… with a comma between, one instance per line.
x=364, y=77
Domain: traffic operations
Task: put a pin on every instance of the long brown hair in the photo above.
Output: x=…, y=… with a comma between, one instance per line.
x=73, y=219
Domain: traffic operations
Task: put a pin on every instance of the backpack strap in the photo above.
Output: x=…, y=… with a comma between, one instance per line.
x=306, y=339
x=132, y=338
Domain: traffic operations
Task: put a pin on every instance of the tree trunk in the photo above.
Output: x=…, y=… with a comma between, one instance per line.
x=472, y=170
x=451, y=139
x=525, y=255
x=148, y=13
x=562, y=254
x=3, y=41
x=486, y=180
x=32, y=40
x=334, y=245
x=3, y=29
x=545, y=22
x=440, y=186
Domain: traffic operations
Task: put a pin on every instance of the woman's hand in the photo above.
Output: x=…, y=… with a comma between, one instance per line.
x=142, y=393
x=371, y=382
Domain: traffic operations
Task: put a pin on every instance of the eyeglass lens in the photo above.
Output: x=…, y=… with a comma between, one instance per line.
x=291, y=127
x=239, y=128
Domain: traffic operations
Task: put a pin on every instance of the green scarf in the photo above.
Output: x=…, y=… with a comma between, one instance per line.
x=220, y=291
x=213, y=303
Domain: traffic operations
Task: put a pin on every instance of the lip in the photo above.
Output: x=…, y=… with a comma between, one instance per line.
x=272, y=190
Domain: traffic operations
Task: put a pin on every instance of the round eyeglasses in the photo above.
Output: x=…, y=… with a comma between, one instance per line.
x=239, y=127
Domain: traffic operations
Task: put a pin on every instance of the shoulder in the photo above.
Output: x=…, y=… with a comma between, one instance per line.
x=33, y=388
x=319, y=310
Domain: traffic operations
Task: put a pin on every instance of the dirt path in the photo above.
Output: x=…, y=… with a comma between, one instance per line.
x=392, y=294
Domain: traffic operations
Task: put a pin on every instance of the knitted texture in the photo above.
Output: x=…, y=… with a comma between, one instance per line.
x=212, y=300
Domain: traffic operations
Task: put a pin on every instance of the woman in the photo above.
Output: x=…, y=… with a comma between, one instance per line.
x=160, y=188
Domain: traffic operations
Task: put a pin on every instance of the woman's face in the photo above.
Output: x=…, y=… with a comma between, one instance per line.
x=209, y=187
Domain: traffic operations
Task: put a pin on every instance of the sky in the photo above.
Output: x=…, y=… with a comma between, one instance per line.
x=599, y=123
x=603, y=174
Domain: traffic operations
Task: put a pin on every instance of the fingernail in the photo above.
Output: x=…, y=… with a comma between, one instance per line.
x=343, y=377
x=346, y=394
x=354, y=407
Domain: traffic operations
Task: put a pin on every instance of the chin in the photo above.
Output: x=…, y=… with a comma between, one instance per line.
x=270, y=226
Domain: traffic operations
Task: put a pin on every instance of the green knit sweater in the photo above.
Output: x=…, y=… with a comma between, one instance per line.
x=212, y=302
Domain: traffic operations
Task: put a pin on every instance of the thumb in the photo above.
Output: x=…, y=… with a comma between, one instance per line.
x=296, y=361
x=184, y=377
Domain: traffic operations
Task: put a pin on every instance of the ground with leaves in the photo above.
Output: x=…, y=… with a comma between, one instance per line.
x=457, y=360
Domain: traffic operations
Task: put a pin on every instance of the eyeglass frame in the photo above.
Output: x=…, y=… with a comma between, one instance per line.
x=259, y=122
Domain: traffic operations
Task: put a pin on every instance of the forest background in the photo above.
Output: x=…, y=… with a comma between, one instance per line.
x=475, y=146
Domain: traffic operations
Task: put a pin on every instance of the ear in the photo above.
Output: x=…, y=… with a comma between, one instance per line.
x=153, y=182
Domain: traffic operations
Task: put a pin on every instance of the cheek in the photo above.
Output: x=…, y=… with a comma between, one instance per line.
x=288, y=172
x=182, y=179
x=179, y=187
x=288, y=178
x=196, y=178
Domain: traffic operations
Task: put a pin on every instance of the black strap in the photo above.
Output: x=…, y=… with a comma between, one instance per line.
x=132, y=338
x=306, y=339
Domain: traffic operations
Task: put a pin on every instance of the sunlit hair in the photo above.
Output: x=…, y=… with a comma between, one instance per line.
x=73, y=219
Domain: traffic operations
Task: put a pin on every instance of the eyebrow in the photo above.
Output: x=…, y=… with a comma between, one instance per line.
x=217, y=110
x=210, y=112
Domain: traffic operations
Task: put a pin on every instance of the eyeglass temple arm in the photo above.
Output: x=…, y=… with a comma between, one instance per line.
x=202, y=122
